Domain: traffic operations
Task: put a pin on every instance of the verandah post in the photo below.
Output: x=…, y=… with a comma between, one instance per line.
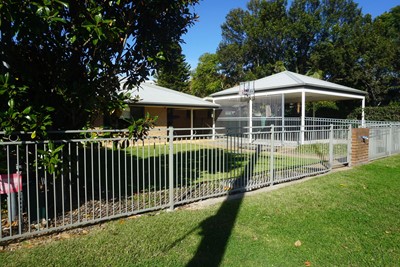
x=171, y=167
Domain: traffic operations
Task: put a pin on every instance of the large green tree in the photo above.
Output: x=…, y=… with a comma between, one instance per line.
x=174, y=71
x=333, y=38
x=62, y=61
x=389, y=23
x=253, y=40
x=206, y=78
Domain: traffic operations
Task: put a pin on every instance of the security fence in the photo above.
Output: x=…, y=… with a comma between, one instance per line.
x=384, y=140
x=83, y=177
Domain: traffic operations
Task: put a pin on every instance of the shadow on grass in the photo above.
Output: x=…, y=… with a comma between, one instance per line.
x=216, y=230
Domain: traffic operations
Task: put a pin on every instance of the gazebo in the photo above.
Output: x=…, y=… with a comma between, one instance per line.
x=253, y=103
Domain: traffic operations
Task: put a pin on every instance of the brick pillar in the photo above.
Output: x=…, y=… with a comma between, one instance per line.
x=359, y=146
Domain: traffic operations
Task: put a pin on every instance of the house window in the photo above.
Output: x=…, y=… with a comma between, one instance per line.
x=137, y=112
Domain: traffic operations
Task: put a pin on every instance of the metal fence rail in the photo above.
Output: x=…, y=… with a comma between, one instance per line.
x=384, y=140
x=89, y=176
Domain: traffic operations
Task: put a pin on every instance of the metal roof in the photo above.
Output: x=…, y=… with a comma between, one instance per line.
x=289, y=80
x=154, y=95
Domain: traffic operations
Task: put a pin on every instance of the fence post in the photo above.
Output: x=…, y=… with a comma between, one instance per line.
x=171, y=167
x=271, y=160
x=349, y=146
x=390, y=140
x=331, y=147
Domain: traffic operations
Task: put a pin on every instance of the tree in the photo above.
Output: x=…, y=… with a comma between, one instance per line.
x=357, y=55
x=332, y=38
x=63, y=61
x=390, y=28
x=303, y=33
x=174, y=71
x=206, y=78
x=253, y=40
x=231, y=49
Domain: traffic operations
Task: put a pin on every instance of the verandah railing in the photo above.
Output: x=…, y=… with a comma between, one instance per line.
x=99, y=175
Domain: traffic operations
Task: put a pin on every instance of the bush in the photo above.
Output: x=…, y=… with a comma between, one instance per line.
x=386, y=113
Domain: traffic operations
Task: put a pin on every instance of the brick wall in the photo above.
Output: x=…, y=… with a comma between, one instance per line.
x=359, y=147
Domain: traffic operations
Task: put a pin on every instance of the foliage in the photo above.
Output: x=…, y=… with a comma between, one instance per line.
x=18, y=114
x=50, y=158
x=174, y=72
x=62, y=61
x=331, y=38
x=320, y=108
x=140, y=128
x=71, y=55
x=206, y=78
x=385, y=113
x=252, y=40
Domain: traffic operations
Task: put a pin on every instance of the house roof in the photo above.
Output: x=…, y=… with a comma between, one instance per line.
x=154, y=95
x=289, y=80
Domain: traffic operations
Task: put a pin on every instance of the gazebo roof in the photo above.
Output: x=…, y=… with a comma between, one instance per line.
x=154, y=95
x=286, y=81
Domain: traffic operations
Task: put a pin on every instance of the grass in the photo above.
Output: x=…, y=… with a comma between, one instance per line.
x=348, y=218
x=322, y=149
x=213, y=163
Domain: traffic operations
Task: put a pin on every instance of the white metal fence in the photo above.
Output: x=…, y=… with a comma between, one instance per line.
x=384, y=140
x=89, y=176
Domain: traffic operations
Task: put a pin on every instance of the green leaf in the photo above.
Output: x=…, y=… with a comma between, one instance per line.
x=72, y=39
x=11, y=103
x=98, y=18
x=58, y=149
x=99, y=32
x=27, y=110
x=58, y=19
x=62, y=3
x=33, y=135
x=39, y=11
x=88, y=25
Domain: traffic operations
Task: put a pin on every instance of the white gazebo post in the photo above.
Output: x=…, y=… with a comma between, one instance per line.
x=213, y=124
x=303, y=116
x=250, y=120
x=283, y=120
x=363, y=112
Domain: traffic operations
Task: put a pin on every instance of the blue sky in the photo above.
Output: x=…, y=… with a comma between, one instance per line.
x=205, y=35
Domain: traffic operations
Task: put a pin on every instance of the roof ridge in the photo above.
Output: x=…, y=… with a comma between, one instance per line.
x=169, y=89
x=293, y=76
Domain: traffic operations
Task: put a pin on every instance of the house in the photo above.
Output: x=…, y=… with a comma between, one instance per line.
x=173, y=108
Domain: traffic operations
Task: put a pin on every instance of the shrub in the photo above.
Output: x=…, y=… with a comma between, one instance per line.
x=386, y=113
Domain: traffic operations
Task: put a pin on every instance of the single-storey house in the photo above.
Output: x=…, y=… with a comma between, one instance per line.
x=173, y=108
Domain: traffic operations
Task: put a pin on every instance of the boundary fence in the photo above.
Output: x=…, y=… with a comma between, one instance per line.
x=384, y=140
x=84, y=177
x=89, y=176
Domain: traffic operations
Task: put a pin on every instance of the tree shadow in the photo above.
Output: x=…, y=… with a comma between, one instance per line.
x=216, y=230
x=107, y=174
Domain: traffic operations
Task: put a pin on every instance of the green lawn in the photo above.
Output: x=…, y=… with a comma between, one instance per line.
x=207, y=162
x=348, y=218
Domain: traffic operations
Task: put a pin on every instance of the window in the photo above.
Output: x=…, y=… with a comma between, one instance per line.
x=137, y=112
